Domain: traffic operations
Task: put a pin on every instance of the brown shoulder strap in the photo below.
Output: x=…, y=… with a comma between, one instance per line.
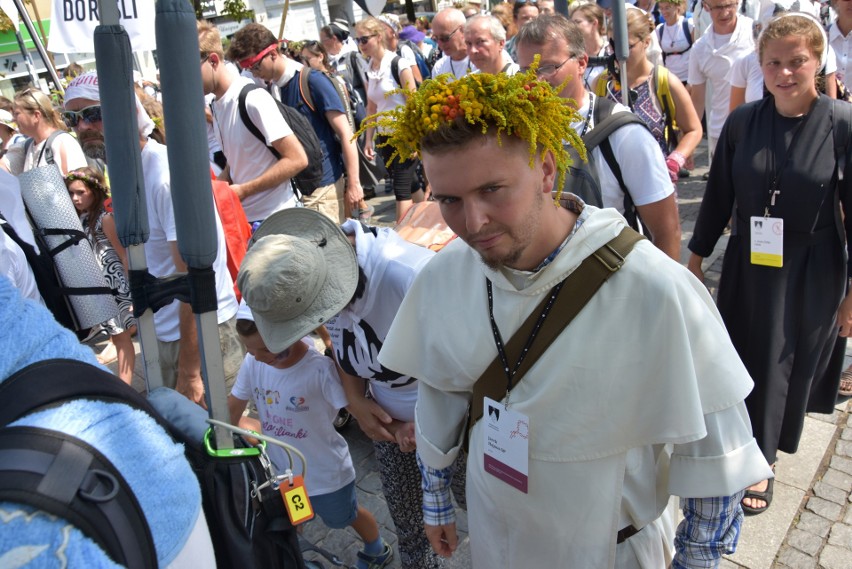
x=580, y=286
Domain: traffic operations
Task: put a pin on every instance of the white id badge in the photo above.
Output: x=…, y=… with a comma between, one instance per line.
x=767, y=241
x=507, y=449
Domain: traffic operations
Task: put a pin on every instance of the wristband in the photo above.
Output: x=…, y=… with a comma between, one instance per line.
x=677, y=157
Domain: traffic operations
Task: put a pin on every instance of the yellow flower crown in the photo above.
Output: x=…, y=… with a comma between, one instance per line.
x=519, y=105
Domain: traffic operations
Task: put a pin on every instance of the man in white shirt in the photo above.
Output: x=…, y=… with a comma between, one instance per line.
x=713, y=54
x=485, y=39
x=180, y=361
x=448, y=31
x=560, y=44
x=259, y=179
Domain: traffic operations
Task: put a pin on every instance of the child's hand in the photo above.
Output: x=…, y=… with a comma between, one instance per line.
x=250, y=424
x=404, y=435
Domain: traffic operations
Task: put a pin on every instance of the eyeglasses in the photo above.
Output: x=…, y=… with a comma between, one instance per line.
x=363, y=40
x=548, y=70
x=89, y=114
x=446, y=38
x=722, y=8
x=533, y=2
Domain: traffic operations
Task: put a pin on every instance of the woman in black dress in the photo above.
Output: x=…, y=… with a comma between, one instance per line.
x=778, y=173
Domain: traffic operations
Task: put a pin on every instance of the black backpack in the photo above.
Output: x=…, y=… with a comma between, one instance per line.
x=310, y=178
x=581, y=178
x=249, y=529
x=422, y=64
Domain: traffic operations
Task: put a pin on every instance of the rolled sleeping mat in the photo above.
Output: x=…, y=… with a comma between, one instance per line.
x=46, y=197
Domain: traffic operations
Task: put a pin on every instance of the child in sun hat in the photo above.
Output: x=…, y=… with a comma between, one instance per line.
x=292, y=282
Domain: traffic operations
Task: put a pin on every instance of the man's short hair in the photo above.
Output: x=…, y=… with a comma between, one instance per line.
x=495, y=25
x=548, y=27
x=209, y=39
x=250, y=41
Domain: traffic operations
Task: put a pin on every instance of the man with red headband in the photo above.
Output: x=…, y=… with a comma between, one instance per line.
x=260, y=180
x=256, y=49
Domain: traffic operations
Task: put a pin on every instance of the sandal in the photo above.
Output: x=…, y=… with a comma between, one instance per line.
x=846, y=383
x=766, y=496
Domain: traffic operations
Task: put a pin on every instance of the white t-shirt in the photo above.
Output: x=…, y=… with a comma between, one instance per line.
x=65, y=142
x=390, y=264
x=642, y=163
x=162, y=231
x=297, y=405
x=842, y=46
x=675, y=41
x=14, y=266
x=247, y=156
x=711, y=61
x=746, y=73
x=381, y=81
x=459, y=68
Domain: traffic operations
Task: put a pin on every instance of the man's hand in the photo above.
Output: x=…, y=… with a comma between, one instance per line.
x=353, y=194
x=192, y=388
x=372, y=419
x=443, y=539
x=694, y=266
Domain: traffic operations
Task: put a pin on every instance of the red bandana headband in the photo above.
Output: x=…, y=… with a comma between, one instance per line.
x=250, y=61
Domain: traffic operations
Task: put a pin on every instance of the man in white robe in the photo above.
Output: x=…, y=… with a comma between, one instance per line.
x=639, y=398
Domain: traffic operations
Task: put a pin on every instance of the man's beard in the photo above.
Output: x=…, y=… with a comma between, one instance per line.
x=93, y=144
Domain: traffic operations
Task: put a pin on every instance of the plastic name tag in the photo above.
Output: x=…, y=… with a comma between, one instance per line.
x=767, y=241
x=506, y=442
x=296, y=501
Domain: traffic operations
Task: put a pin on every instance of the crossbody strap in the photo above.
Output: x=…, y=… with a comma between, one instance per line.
x=580, y=286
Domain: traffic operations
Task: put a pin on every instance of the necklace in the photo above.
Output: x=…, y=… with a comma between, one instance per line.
x=672, y=36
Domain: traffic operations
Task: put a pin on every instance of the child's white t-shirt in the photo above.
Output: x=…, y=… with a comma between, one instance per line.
x=297, y=405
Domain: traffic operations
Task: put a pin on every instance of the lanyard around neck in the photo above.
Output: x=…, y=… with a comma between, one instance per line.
x=498, y=339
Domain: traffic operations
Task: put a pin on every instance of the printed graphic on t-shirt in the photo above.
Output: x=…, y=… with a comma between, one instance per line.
x=360, y=362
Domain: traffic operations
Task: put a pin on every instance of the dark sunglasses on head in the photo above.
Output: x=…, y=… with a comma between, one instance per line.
x=89, y=114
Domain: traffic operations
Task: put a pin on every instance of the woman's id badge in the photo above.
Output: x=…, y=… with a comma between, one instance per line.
x=506, y=439
x=767, y=241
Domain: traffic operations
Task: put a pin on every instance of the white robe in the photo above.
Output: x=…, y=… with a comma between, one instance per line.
x=640, y=398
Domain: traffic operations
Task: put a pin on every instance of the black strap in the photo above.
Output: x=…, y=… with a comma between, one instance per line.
x=66, y=477
x=244, y=116
x=75, y=237
x=395, y=70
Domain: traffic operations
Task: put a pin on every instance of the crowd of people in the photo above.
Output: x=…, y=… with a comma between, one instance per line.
x=545, y=162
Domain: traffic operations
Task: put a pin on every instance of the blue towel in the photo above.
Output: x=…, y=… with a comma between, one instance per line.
x=153, y=465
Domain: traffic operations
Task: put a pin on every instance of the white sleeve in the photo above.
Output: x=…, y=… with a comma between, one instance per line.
x=439, y=418
x=738, y=75
x=242, y=385
x=264, y=114
x=696, y=75
x=724, y=462
x=830, y=61
x=642, y=164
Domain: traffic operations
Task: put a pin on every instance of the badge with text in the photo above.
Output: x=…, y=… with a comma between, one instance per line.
x=296, y=500
x=767, y=241
x=507, y=446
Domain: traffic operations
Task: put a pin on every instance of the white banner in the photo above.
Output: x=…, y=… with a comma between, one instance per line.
x=73, y=23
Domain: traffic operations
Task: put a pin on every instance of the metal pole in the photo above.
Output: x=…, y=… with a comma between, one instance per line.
x=25, y=16
x=41, y=29
x=28, y=61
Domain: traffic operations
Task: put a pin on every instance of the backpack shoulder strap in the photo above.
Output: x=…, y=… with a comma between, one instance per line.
x=244, y=116
x=305, y=88
x=660, y=32
x=686, y=32
x=664, y=96
x=395, y=70
x=607, y=122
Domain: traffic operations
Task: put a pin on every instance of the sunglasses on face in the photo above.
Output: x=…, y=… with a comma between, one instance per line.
x=446, y=38
x=364, y=39
x=89, y=114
